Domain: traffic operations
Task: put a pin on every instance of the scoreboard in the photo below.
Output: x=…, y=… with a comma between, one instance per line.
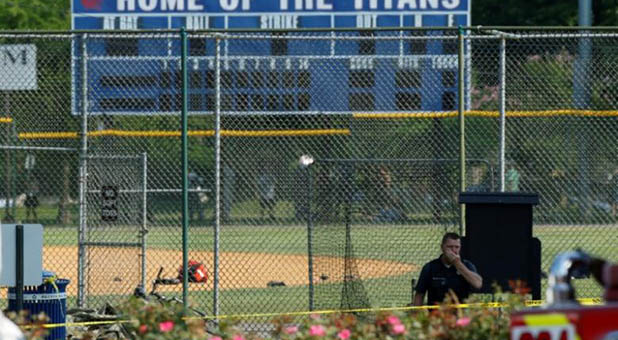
x=141, y=75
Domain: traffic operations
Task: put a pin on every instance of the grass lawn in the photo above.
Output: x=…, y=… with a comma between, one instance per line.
x=401, y=243
x=249, y=233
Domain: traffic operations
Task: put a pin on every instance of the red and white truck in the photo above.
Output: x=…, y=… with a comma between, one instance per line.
x=563, y=317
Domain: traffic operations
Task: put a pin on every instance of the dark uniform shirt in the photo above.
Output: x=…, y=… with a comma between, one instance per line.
x=436, y=279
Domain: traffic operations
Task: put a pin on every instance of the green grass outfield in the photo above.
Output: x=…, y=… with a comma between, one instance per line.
x=403, y=243
x=599, y=240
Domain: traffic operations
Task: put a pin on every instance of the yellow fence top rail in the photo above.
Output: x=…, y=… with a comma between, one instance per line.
x=312, y=132
x=192, y=133
x=484, y=113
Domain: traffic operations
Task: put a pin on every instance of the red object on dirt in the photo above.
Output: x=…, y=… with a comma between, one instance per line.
x=197, y=272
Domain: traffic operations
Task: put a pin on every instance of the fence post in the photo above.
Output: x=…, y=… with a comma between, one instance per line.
x=462, y=127
x=11, y=168
x=502, y=75
x=144, y=230
x=309, y=181
x=581, y=99
x=185, y=170
x=7, y=170
x=217, y=174
x=83, y=175
x=19, y=267
x=14, y=172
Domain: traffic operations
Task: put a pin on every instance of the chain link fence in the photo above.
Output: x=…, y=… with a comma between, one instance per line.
x=92, y=152
x=560, y=117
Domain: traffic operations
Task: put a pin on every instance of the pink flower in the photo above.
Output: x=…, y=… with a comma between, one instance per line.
x=317, y=330
x=393, y=320
x=344, y=334
x=215, y=338
x=399, y=329
x=291, y=329
x=463, y=322
x=143, y=329
x=166, y=326
x=238, y=337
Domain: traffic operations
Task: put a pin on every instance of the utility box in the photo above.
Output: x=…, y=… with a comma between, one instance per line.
x=33, y=258
x=498, y=239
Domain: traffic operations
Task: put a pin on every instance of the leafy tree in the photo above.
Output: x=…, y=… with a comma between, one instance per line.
x=35, y=14
x=540, y=13
x=605, y=13
x=524, y=13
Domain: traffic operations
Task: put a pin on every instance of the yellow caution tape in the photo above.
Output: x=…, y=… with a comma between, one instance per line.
x=81, y=324
x=6, y=120
x=52, y=281
x=528, y=303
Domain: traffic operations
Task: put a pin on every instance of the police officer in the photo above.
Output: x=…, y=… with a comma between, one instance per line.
x=31, y=203
x=447, y=272
x=196, y=183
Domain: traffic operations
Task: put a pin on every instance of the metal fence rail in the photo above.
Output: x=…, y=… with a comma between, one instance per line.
x=376, y=111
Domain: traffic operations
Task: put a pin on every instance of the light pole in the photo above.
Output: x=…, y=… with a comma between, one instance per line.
x=305, y=162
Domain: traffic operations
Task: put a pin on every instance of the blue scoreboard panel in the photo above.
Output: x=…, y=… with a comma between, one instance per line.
x=141, y=75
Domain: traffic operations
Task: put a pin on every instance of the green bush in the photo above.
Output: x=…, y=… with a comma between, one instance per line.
x=154, y=320
x=444, y=323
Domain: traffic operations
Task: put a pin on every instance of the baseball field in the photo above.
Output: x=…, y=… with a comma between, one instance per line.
x=265, y=268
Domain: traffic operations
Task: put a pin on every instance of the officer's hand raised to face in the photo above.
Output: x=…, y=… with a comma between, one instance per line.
x=451, y=257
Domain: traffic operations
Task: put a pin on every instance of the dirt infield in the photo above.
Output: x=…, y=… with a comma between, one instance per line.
x=116, y=270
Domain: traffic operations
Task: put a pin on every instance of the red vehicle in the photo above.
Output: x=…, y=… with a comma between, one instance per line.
x=563, y=318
